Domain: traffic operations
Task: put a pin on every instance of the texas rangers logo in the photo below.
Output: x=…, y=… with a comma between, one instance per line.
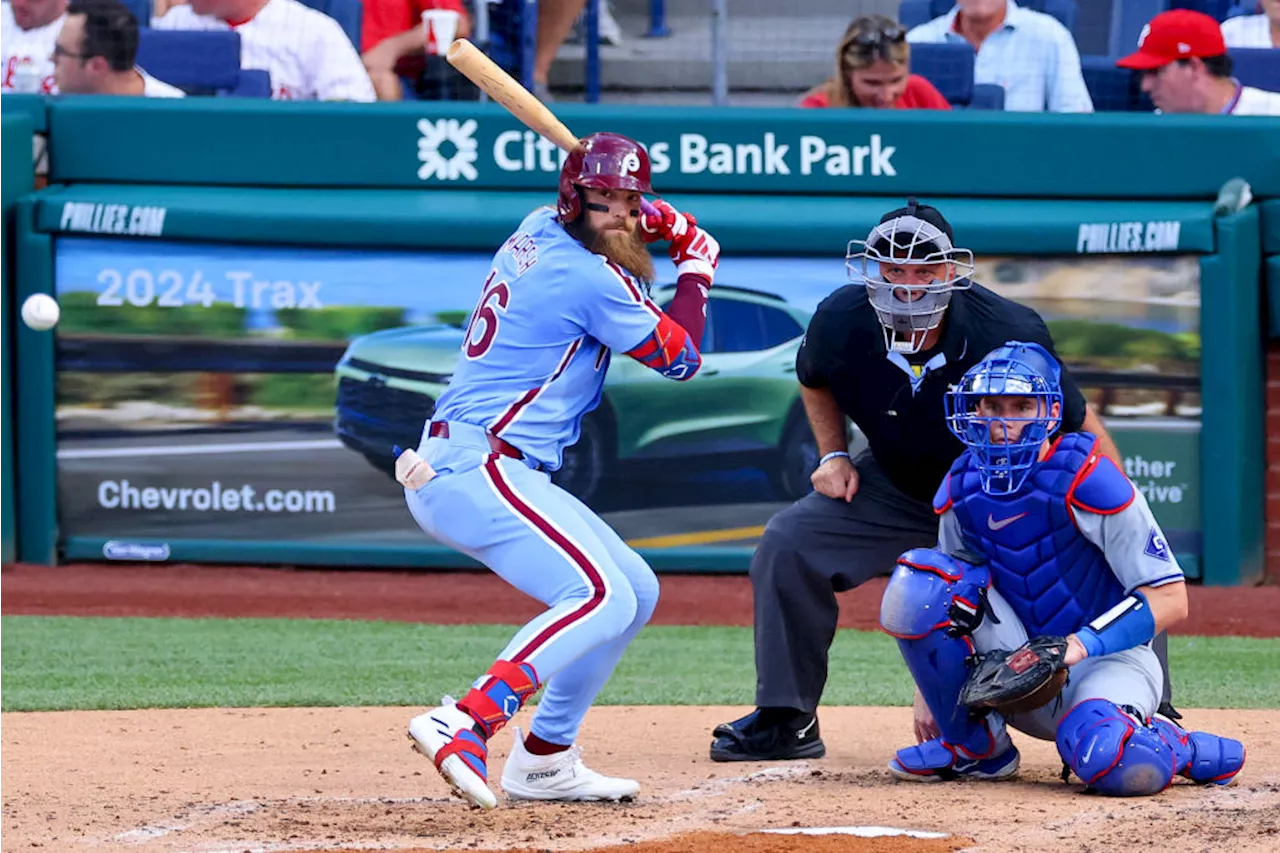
x=1156, y=546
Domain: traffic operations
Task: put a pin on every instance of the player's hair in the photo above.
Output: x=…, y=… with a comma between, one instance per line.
x=867, y=40
x=1218, y=66
x=110, y=31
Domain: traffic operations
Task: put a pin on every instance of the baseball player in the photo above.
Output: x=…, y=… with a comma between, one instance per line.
x=567, y=290
x=1043, y=539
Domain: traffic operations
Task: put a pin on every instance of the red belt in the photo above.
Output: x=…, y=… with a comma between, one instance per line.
x=440, y=429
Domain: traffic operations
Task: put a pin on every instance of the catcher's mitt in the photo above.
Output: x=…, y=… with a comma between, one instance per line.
x=1019, y=681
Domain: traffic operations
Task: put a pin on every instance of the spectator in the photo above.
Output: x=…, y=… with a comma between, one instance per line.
x=873, y=64
x=555, y=21
x=393, y=41
x=1185, y=68
x=1254, y=30
x=1029, y=53
x=306, y=52
x=95, y=53
x=28, y=31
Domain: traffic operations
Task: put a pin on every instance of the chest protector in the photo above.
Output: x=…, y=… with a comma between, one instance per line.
x=1055, y=579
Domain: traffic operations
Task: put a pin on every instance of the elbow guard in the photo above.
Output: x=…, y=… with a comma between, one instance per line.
x=1130, y=623
x=668, y=350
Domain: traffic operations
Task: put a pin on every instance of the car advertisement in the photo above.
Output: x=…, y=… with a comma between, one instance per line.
x=213, y=392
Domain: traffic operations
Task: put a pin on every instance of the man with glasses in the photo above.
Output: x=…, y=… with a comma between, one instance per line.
x=1185, y=68
x=96, y=50
x=881, y=351
x=28, y=30
x=1030, y=54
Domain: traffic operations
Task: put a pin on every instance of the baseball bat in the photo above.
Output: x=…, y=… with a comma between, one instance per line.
x=472, y=63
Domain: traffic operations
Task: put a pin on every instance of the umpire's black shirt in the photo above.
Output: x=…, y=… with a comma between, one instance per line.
x=844, y=350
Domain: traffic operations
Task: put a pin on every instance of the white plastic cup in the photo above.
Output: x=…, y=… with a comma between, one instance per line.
x=441, y=25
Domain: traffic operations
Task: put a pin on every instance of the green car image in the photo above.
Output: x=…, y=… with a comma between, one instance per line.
x=742, y=409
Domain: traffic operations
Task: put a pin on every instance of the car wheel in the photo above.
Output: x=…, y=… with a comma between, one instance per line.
x=583, y=468
x=797, y=457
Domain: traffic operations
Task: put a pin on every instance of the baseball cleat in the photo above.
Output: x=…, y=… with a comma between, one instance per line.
x=561, y=776
x=755, y=738
x=447, y=737
x=935, y=761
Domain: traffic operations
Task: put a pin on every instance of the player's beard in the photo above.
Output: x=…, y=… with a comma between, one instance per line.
x=624, y=248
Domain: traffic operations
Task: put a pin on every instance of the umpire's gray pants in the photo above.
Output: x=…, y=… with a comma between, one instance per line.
x=815, y=548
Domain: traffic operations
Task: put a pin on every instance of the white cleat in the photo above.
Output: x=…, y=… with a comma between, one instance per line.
x=463, y=767
x=562, y=776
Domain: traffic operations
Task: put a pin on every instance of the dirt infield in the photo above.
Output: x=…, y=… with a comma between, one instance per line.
x=344, y=779
x=294, y=779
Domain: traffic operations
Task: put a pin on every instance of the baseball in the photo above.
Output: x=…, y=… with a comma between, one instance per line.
x=40, y=311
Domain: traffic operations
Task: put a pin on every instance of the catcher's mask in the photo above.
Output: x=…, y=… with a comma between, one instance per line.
x=1016, y=369
x=602, y=161
x=915, y=234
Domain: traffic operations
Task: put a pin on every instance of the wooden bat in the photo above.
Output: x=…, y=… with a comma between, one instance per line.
x=519, y=101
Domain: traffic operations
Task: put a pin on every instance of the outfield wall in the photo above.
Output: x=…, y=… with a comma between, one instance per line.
x=259, y=298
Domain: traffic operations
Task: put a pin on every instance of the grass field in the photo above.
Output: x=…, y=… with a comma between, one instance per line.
x=59, y=663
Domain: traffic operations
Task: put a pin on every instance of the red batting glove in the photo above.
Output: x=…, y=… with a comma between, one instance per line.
x=695, y=251
x=665, y=223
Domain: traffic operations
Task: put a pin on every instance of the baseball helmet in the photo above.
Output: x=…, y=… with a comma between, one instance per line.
x=1016, y=369
x=915, y=234
x=601, y=161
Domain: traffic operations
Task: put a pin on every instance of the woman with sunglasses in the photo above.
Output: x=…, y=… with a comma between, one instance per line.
x=872, y=70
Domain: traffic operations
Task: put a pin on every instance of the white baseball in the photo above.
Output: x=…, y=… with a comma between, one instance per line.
x=40, y=312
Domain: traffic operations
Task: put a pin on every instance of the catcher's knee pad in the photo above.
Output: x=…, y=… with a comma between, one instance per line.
x=930, y=605
x=932, y=591
x=1113, y=752
x=1200, y=756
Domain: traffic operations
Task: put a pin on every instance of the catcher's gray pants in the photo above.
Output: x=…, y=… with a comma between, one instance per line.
x=815, y=548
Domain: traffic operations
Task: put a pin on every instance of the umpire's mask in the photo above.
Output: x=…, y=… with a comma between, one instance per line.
x=914, y=234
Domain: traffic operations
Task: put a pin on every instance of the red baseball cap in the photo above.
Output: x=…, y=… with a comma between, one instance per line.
x=1174, y=35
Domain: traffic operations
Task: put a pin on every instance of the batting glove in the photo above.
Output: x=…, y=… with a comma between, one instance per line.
x=664, y=223
x=695, y=251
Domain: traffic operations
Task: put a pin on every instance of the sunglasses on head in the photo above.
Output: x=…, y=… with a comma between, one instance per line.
x=868, y=39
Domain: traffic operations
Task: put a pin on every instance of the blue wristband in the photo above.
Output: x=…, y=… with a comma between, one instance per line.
x=1130, y=623
x=832, y=455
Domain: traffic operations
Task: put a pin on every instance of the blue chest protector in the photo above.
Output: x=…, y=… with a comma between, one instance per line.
x=1055, y=579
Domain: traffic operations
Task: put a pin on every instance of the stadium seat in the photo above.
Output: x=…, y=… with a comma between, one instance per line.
x=947, y=66
x=987, y=96
x=141, y=10
x=1112, y=89
x=1258, y=67
x=1239, y=9
x=1214, y=8
x=348, y=13
x=1128, y=17
x=198, y=62
x=253, y=83
x=913, y=13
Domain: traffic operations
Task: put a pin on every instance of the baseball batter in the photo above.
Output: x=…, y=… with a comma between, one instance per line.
x=566, y=290
x=1040, y=539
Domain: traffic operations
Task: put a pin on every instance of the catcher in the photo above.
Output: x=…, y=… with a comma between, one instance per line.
x=1051, y=542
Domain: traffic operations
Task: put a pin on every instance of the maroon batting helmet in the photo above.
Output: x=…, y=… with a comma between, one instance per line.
x=602, y=161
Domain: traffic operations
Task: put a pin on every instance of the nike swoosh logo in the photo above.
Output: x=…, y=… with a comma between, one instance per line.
x=992, y=524
x=804, y=733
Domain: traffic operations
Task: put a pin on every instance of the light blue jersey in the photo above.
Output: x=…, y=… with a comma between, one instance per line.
x=537, y=346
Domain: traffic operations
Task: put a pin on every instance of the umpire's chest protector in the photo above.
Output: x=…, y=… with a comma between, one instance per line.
x=1055, y=578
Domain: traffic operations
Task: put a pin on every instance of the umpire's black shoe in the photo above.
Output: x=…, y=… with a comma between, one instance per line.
x=766, y=735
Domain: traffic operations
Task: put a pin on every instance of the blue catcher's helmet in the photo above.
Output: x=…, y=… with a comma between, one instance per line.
x=1016, y=369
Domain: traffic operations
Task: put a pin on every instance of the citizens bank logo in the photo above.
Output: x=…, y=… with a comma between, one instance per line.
x=457, y=141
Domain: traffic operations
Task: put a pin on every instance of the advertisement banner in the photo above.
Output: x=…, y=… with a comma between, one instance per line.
x=215, y=392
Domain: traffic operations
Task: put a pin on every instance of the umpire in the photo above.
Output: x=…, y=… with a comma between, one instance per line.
x=881, y=351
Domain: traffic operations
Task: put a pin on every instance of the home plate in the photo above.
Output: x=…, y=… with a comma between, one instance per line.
x=860, y=831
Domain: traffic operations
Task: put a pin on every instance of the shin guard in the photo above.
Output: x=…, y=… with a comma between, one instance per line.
x=917, y=609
